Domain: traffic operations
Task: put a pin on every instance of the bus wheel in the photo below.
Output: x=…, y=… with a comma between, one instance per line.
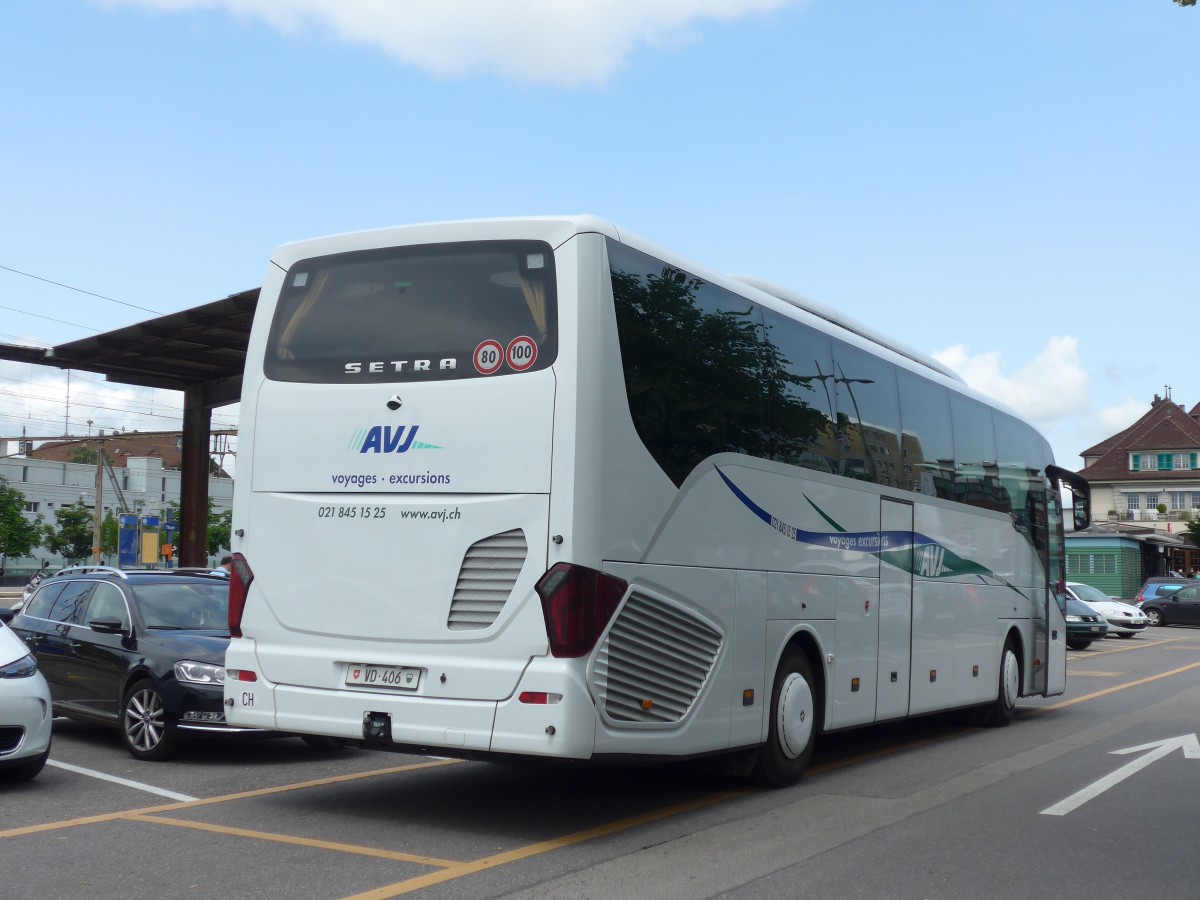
x=793, y=727
x=1010, y=687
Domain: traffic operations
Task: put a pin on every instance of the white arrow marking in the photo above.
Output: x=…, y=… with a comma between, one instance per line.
x=1157, y=750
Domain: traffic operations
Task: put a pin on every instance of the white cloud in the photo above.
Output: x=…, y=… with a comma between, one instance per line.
x=1115, y=419
x=34, y=401
x=1053, y=386
x=565, y=42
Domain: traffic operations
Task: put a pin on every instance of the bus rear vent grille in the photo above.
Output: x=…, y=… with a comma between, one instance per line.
x=654, y=662
x=485, y=581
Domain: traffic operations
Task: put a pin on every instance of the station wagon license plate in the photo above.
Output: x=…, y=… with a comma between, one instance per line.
x=404, y=678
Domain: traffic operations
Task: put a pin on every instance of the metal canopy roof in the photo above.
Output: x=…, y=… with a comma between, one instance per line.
x=200, y=351
x=202, y=347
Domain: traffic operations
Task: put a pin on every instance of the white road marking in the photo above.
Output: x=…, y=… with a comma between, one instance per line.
x=1157, y=750
x=137, y=785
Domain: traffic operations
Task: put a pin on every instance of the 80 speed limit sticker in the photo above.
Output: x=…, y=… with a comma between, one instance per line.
x=521, y=354
x=488, y=357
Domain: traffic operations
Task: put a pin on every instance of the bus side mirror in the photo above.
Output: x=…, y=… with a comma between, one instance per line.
x=1082, y=515
x=1081, y=494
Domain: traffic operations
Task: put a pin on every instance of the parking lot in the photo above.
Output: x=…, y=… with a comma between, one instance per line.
x=275, y=818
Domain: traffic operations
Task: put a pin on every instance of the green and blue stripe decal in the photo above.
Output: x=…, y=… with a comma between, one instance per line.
x=908, y=551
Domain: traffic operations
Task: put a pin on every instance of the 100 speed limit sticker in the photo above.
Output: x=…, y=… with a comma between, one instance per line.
x=520, y=354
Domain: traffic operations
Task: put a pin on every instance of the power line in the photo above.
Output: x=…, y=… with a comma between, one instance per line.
x=49, y=318
x=79, y=290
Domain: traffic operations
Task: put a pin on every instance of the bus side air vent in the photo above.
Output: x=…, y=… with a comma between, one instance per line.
x=485, y=581
x=654, y=661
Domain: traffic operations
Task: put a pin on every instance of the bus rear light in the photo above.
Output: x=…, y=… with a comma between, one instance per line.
x=240, y=675
x=539, y=698
x=240, y=577
x=577, y=603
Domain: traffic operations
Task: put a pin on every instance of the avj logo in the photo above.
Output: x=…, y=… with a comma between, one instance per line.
x=388, y=439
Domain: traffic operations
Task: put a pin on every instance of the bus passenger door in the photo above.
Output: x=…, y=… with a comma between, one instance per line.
x=895, y=608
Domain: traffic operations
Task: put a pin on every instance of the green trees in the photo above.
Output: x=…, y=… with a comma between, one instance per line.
x=72, y=540
x=18, y=535
x=219, y=527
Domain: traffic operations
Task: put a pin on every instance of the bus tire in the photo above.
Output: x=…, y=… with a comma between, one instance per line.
x=1001, y=712
x=793, y=724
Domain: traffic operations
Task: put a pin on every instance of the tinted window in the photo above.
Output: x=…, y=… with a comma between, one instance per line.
x=1020, y=452
x=183, y=604
x=927, y=441
x=416, y=314
x=69, y=605
x=108, y=602
x=868, y=416
x=1089, y=594
x=692, y=361
x=977, y=478
x=43, y=599
x=798, y=372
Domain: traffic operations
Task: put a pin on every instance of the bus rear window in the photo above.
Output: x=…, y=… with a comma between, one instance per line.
x=425, y=313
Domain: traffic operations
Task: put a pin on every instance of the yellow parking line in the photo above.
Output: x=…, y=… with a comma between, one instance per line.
x=1096, y=674
x=224, y=798
x=299, y=841
x=1115, y=688
x=1126, y=647
x=500, y=859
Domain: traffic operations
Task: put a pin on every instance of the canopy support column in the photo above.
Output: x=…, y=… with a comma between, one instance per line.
x=193, y=488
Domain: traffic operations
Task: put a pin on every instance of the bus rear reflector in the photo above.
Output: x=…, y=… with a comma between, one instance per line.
x=577, y=603
x=240, y=577
x=539, y=698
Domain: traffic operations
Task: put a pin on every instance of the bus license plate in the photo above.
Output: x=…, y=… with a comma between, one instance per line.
x=404, y=678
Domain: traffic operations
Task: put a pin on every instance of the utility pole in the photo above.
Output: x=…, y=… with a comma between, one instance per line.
x=99, y=514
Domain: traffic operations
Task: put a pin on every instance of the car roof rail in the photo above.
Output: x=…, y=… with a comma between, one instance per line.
x=89, y=570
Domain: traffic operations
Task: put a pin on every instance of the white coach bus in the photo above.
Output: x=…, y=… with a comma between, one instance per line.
x=538, y=487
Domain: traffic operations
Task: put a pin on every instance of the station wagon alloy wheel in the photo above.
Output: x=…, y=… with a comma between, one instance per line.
x=147, y=732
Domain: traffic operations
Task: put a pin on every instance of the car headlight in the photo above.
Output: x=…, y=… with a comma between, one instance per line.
x=1074, y=619
x=199, y=672
x=25, y=667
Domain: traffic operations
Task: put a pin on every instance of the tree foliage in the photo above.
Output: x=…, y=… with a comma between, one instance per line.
x=18, y=535
x=81, y=454
x=110, y=531
x=220, y=526
x=72, y=538
x=1193, y=532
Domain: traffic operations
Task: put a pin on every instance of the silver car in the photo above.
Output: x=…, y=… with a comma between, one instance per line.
x=25, y=715
x=1124, y=619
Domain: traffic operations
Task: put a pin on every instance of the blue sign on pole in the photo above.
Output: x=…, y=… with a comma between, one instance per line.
x=127, y=547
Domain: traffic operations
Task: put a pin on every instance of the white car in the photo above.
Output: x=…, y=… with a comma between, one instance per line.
x=1124, y=619
x=25, y=714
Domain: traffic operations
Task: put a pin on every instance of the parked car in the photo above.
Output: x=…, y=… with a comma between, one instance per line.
x=1084, y=624
x=1156, y=587
x=25, y=715
x=1124, y=620
x=142, y=651
x=1181, y=607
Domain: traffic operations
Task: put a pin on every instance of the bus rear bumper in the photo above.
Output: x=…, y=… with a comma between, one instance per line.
x=550, y=714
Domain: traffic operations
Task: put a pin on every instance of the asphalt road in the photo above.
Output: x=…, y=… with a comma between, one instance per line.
x=1050, y=806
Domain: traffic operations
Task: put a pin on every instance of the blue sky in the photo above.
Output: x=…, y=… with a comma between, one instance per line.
x=1010, y=186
